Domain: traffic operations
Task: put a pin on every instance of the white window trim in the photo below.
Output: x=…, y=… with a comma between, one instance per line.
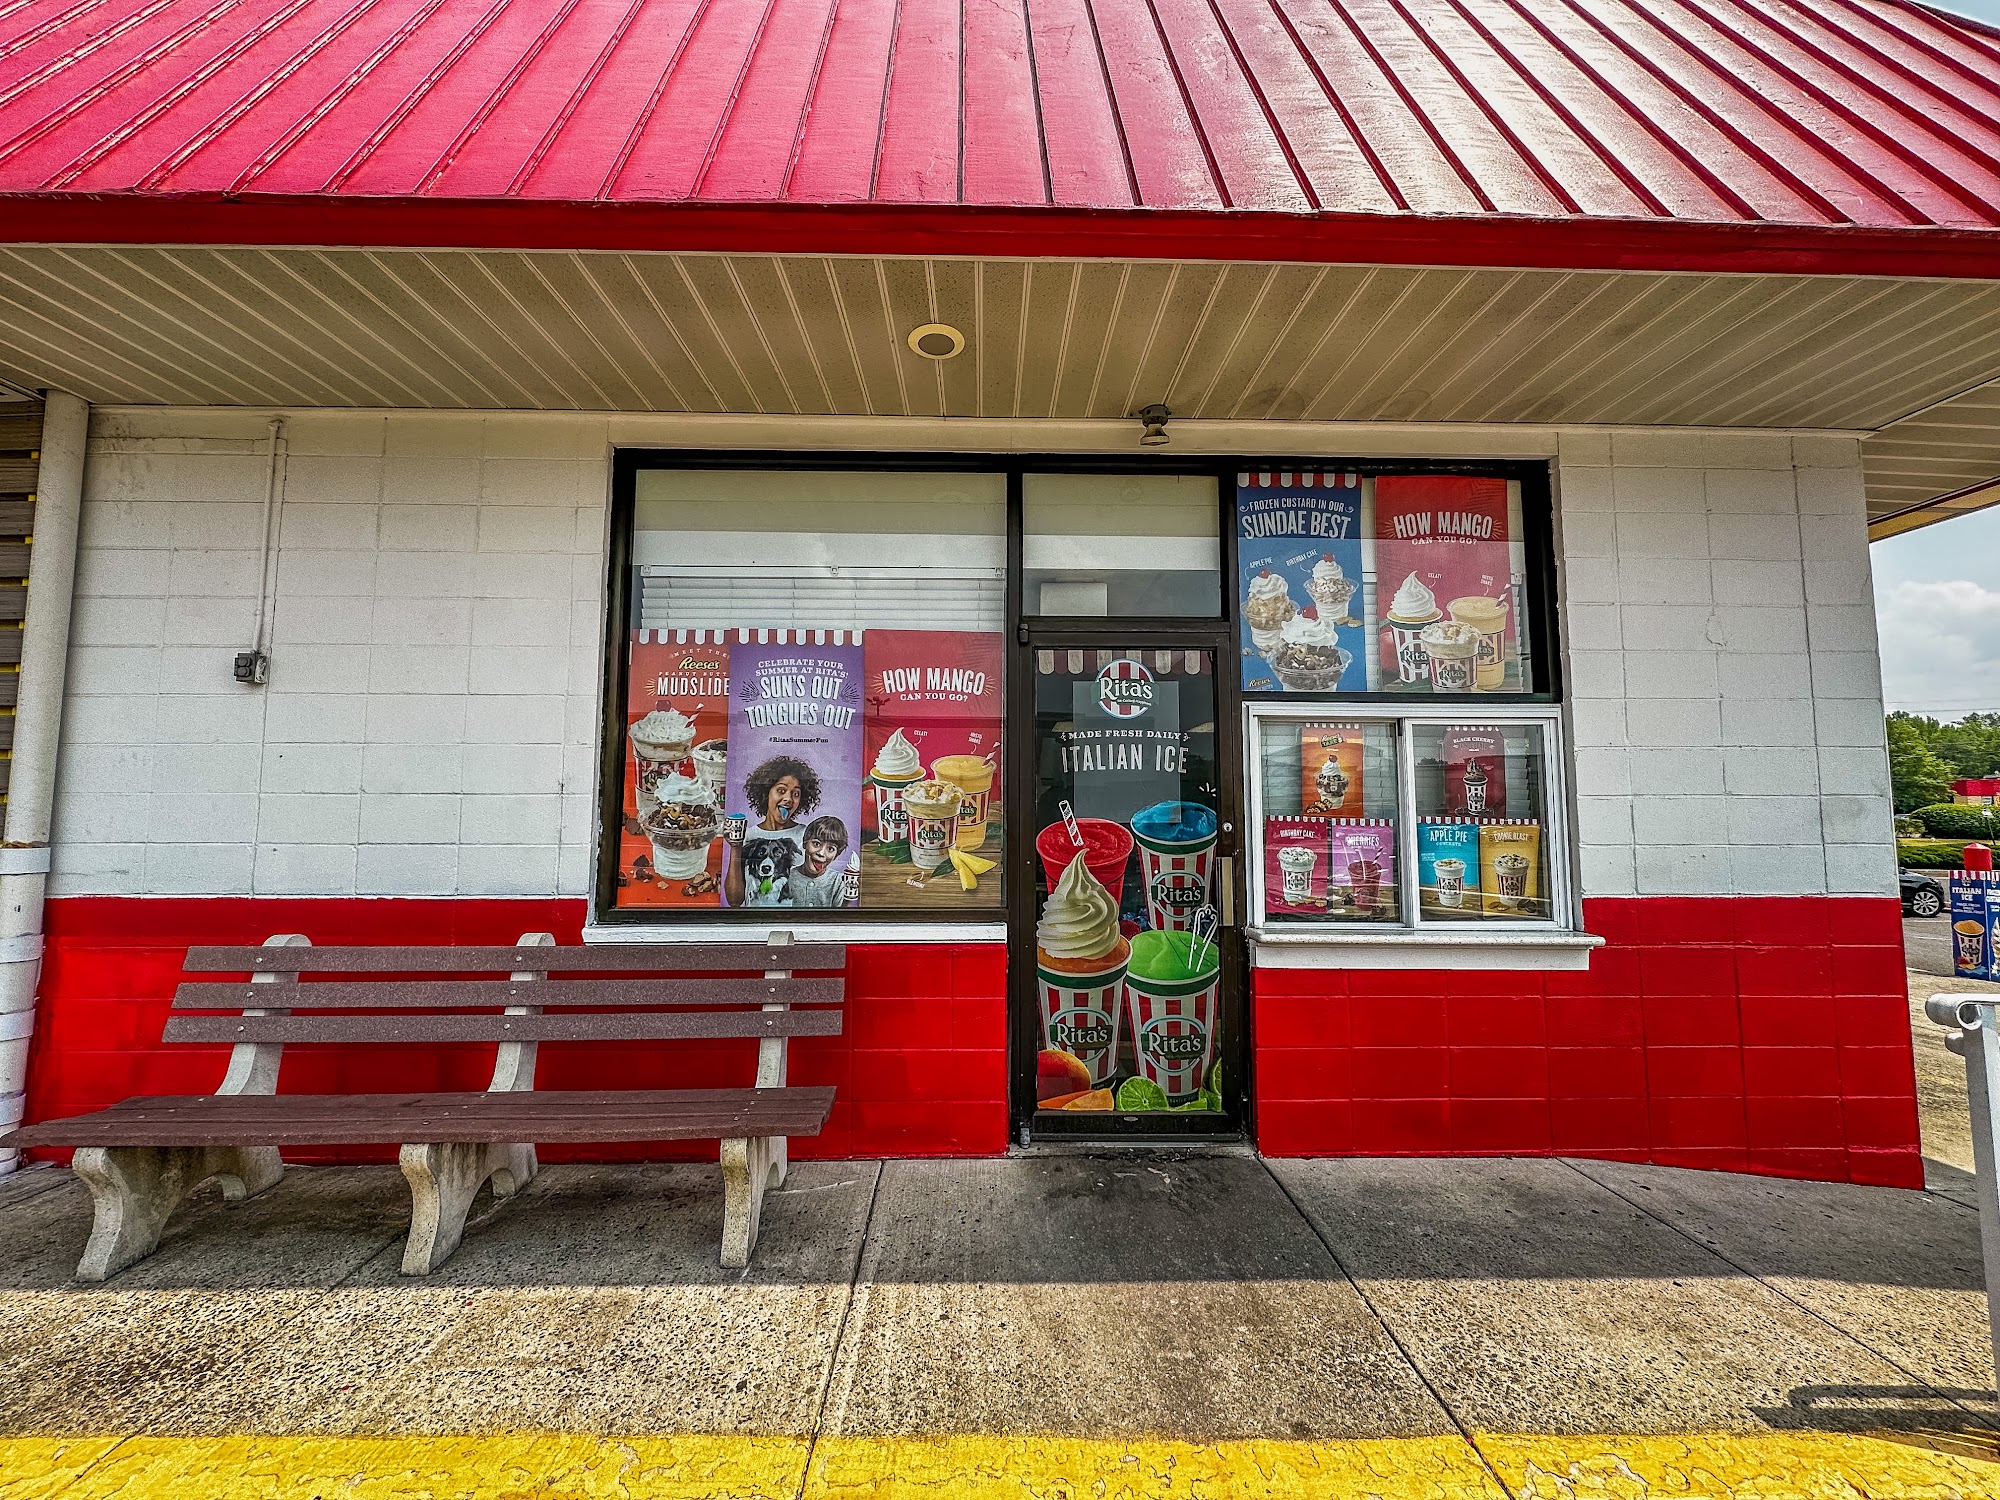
x=1493, y=943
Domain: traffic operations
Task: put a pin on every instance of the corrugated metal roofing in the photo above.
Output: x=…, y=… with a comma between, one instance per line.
x=1689, y=131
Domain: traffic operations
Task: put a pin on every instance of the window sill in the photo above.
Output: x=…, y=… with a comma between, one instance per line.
x=1425, y=950
x=804, y=932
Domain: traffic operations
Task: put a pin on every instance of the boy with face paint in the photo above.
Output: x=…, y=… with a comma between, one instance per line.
x=816, y=882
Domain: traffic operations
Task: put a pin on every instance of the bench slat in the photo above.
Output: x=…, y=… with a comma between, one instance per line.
x=415, y=994
x=623, y=1026
x=606, y=958
x=396, y=1119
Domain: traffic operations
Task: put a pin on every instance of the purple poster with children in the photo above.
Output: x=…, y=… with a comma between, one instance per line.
x=792, y=795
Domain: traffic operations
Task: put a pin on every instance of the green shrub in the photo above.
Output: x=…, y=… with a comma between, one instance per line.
x=1952, y=820
x=1930, y=854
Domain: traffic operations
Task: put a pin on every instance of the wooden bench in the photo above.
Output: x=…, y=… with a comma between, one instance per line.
x=141, y=1158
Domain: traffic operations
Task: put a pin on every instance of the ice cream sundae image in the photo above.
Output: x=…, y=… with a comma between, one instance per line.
x=711, y=764
x=1450, y=646
x=665, y=734
x=932, y=808
x=1330, y=588
x=1331, y=782
x=681, y=826
x=1474, y=782
x=1267, y=609
x=1412, y=608
x=1309, y=658
x=1080, y=958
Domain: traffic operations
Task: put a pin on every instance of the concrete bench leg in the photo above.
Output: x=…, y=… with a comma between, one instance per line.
x=444, y=1179
x=135, y=1189
x=749, y=1168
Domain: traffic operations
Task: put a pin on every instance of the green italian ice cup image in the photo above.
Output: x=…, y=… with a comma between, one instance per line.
x=1170, y=1006
x=1176, y=860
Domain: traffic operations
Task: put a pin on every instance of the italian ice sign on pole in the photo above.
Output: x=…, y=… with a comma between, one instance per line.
x=1443, y=564
x=1299, y=567
x=793, y=810
x=1975, y=924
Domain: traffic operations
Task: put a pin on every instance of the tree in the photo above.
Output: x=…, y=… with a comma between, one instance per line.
x=1970, y=747
x=1917, y=776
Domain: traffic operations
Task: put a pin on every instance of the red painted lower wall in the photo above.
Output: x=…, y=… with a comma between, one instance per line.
x=921, y=1069
x=1766, y=1034
x=1759, y=1034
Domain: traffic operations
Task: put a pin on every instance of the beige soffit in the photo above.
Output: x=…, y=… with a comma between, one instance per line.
x=812, y=335
x=1936, y=463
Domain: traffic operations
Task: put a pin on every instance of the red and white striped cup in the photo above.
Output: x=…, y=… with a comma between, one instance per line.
x=1173, y=1030
x=1080, y=1015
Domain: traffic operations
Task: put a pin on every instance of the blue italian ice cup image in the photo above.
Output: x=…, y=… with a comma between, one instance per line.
x=1176, y=861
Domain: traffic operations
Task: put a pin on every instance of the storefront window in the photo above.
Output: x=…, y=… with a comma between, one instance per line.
x=1413, y=584
x=1121, y=544
x=1405, y=821
x=814, y=694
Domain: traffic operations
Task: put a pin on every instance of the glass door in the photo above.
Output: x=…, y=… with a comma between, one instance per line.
x=1127, y=963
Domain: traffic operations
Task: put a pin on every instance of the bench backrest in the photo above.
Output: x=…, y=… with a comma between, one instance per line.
x=418, y=995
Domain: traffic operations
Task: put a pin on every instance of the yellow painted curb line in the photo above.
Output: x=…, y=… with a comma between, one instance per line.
x=571, y=1466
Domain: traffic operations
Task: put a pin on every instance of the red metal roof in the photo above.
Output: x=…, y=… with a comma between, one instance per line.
x=1842, y=134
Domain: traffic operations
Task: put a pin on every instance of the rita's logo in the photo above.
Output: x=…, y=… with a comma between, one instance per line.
x=1125, y=689
x=1173, y=1039
x=1081, y=1032
x=1180, y=892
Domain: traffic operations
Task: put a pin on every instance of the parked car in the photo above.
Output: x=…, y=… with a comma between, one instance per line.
x=1922, y=896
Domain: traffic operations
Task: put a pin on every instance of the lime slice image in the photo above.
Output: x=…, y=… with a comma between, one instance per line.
x=1137, y=1094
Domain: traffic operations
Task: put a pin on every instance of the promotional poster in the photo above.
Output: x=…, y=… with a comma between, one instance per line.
x=1443, y=585
x=1361, y=875
x=792, y=809
x=1295, y=867
x=1475, y=772
x=1298, y=549
x=1975, y=924
x=1330, y=757
x=677, y=723
x=1448, y=867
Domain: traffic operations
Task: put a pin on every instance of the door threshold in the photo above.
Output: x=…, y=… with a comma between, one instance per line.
x=1104, y=1145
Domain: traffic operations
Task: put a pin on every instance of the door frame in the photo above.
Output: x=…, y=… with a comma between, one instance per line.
x=1217, y=638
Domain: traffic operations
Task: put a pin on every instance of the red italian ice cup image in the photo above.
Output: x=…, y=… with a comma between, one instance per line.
x=1106, y=848
x=1171, y=987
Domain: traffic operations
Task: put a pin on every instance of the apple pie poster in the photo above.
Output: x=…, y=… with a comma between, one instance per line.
x=1449, y=532
x=1298, y=546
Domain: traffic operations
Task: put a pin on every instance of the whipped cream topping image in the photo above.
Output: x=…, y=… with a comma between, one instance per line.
x=1327, y=570
x=1267, y=586
x=1451, y=633
x=1413, y=602
x=664, y=726
x=688, y=791
x=1080, y=920
x=897, y=759
x=1307, y=629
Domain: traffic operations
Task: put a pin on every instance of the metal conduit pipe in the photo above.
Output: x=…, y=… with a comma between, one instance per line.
x=24, y=852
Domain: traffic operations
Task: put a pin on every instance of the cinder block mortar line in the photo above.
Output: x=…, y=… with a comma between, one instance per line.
x=1777, y=1291
x=839, y=1334
x=1388, y=1331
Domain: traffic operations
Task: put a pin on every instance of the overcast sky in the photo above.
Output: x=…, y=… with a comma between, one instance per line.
x=1937, y=606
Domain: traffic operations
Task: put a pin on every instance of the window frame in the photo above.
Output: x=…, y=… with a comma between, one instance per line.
x=1538, y=537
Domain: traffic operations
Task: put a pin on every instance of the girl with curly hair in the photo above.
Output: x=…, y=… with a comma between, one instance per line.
x=779, y=791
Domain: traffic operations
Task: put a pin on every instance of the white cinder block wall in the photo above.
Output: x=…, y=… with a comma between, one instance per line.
x=1725, y=692
x=431, y=720
x=431, y=716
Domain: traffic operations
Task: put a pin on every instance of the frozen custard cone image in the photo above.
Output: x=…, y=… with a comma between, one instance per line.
x=1080, y=958
x=1268, y=607
x=896, y=767
x=1413, y=607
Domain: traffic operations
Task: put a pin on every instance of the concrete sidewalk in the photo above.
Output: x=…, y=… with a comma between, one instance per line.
x=1063, y=1325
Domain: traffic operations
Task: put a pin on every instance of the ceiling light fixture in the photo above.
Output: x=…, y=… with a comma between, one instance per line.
x=937, y=341
x=1156, y=418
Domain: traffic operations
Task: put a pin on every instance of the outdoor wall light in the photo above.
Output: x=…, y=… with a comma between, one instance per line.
x=937, y=341
x=1155, y=417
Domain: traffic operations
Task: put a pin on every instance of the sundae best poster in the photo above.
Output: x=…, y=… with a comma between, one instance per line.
x=1298, y=544
x=794, y=770
x=672, y=671
x=1449, y=532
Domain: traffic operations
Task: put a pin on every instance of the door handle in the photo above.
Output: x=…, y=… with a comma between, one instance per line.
x=1228, y=879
